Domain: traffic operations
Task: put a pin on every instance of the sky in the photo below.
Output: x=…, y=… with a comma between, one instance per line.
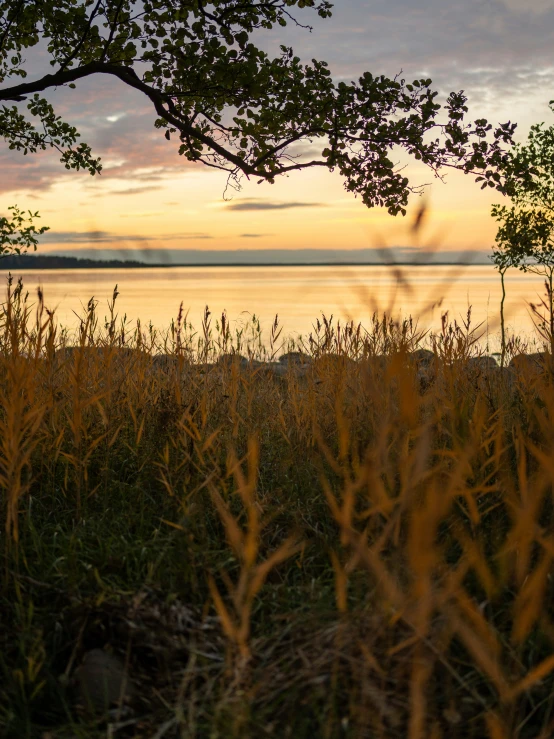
x=148, y=197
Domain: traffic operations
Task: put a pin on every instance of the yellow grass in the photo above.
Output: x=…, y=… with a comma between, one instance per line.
x=421, y=487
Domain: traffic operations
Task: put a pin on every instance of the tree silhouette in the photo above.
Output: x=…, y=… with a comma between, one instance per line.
x=525, y=237
x=521, y=235
x=18, y=233
x=227, y=103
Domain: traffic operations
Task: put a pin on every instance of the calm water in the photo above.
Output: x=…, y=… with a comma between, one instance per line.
x=297, y=294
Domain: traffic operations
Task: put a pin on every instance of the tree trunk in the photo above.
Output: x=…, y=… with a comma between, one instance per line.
x=551, y=309
x=502, y=325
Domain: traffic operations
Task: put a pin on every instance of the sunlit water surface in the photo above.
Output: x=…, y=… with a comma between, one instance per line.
x=297, y=294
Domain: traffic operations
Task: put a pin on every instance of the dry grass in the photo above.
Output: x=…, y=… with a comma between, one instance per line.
x=359, y=547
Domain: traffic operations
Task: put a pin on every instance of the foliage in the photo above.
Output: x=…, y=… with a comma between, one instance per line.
x=230, y=105
x=357, y=546
x=525, y=236
x=537, y=157
x=18, y=235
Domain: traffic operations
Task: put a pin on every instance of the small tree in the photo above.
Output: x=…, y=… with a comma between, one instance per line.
x=521, y=242
x=18, y=235
x=525, y=237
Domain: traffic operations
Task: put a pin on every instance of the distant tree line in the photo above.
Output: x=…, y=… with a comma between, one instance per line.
x=15, y=262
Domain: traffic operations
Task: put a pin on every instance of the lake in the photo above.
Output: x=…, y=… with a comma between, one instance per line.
x=297, y=294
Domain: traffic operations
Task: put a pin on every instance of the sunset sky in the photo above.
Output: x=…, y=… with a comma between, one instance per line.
x=499, y=51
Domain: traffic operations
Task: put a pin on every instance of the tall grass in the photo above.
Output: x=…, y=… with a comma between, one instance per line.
x=358, y=546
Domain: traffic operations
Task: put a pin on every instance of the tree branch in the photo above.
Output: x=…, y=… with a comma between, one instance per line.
x=82, y=40
x=112, y=31
x=10, y=23
x=158, y=99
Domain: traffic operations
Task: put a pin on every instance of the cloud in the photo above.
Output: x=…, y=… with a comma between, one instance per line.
x=187, y=236
x=129, y=191
x=116, y=117
x=105, y=237
x=449, y=41
x=251, y=236
x=143, y=214
x=75, y=237
x=528, y=6
x=255, y=204
x=128, y=144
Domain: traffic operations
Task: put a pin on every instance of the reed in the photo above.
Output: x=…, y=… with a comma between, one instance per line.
x=358, y=544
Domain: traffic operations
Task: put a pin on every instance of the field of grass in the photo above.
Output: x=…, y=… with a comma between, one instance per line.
x=357, y=542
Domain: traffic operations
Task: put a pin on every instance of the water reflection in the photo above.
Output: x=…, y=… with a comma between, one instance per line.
x=297, y=294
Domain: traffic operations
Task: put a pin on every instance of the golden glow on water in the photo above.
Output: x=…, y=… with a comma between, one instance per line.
x=297, y=294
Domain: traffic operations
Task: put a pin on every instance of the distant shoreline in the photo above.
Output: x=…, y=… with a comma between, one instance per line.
x=35, y=263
